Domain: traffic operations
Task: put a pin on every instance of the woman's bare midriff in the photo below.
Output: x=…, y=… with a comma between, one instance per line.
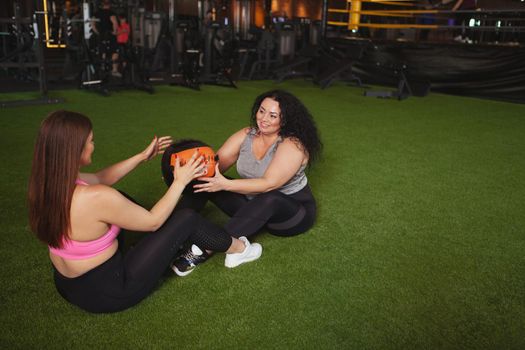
x=74, y=268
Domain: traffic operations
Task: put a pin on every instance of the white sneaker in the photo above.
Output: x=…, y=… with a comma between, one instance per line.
x=250, y=253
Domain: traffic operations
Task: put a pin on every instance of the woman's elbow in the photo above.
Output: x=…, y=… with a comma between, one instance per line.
x=153, y=225
x=270, y=186
x=157, y=224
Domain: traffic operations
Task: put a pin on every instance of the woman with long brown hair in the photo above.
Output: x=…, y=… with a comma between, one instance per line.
x=79, y=216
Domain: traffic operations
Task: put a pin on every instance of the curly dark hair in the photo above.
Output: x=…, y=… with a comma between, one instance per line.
x=296, y=121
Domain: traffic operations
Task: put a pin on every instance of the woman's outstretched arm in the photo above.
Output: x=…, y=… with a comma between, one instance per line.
x=113, y=208
x=113, y=173
x=229, y=151
x=287, y=160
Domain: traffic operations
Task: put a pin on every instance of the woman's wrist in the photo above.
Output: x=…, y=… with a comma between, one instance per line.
x=228, y=185
x=142, y=157
x=178, y=184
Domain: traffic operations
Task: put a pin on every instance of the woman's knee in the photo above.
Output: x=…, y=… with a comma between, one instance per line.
x=301, y=222
x=270, y=198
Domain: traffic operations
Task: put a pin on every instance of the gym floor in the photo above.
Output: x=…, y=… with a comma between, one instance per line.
x=418, y=244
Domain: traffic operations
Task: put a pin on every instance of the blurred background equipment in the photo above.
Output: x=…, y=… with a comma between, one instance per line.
x=468, y=47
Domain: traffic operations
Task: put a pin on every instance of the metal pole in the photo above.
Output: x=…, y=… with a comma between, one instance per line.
x=200, y=14
x=38, y=25
x=172, y=38
x=267, y=14
x=42, y=79
x=324, y=19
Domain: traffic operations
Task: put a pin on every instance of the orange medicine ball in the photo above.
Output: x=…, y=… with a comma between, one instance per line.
x=210, y=159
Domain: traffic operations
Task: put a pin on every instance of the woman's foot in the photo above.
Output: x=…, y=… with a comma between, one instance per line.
x=186, y=263
x=251, y=252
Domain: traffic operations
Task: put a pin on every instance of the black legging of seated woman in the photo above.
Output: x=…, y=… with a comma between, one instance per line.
x=127, y=278
x=278, y=213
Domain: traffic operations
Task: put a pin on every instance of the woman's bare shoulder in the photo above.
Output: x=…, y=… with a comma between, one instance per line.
x=96, y=192
x=245, y=131
x=292, y=143
x=240, y=134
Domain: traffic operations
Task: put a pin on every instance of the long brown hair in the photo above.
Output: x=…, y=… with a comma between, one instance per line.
x=56, y=162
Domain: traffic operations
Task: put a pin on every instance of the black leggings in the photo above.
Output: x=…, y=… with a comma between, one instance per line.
x=280, y=214
x=127, y=278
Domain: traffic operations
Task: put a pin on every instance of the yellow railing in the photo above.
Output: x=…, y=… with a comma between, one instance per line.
x=354, y=12
x=48, y=36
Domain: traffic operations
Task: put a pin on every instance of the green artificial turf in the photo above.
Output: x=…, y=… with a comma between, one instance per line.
x=419, y=242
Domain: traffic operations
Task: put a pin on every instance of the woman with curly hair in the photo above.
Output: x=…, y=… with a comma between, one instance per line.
x=271, y=157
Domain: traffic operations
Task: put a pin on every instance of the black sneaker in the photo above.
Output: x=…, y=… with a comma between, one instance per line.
x=185, y=263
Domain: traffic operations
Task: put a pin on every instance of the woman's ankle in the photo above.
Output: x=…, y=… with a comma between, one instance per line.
x=237, y=246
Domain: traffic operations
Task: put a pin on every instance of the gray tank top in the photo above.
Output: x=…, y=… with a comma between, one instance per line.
x=249, y=167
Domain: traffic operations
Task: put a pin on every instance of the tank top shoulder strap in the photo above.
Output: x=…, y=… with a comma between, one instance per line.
x=248, y=140
x=81, y=182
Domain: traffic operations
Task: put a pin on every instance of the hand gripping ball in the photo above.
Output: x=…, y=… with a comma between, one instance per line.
x=183, y=150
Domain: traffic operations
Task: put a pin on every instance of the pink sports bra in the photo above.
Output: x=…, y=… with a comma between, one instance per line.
x=76, y=250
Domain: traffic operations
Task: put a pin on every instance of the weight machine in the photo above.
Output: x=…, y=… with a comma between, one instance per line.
x=218, y=55
x=95, y=72
x=27, y=55
x=190, y=51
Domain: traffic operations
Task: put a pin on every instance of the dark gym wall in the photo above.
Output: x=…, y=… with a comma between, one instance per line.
x=27, y=7
x=297, y=8
x=308, y=8
x=500, y=4
x=186, y=7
